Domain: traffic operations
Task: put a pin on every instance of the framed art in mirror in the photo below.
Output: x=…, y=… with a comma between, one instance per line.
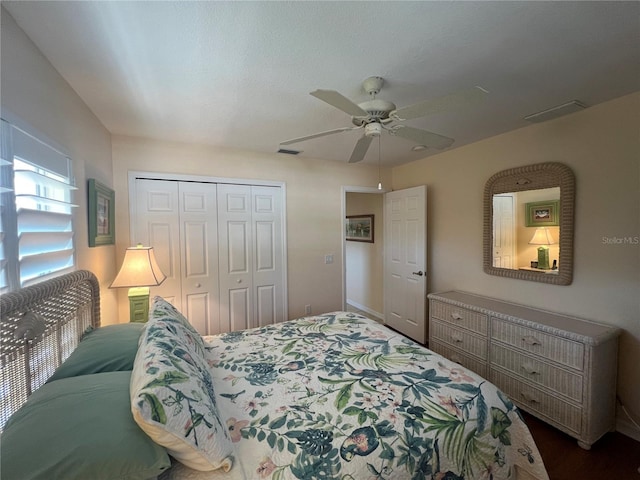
x=542, y=214
x=102, y=225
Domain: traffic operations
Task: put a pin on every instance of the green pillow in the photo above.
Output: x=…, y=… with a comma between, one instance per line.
x=111, y=348
x=79, y=428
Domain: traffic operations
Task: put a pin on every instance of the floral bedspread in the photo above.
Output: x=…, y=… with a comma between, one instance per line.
x=339, y=396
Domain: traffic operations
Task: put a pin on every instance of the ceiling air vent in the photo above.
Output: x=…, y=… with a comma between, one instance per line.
x=288, y=152
x=555, y=112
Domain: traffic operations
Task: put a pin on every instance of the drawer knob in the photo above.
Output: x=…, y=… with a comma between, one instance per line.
x=528, y=397
x=531, y=340
x=456, y=338
x=530, y=370
x=456, y=316
x=456, y=359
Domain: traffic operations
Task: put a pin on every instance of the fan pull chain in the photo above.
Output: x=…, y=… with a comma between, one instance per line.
x=379, y=162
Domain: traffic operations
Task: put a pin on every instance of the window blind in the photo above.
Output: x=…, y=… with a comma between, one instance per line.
x=37, y=203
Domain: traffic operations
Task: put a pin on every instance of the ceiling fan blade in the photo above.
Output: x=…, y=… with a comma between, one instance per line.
x=441, y=104
x=360, y=149
x=339, y=101
x=316, y=135
x=422, y=137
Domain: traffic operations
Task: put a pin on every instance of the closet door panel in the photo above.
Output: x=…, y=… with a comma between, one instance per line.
x=239, y=309
x=199, y=259
x=268, y=275
x=235, y=237
x=266, y=305
x=199, y=307
x=158, y=225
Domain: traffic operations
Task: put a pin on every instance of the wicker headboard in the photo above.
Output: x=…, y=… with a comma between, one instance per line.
x=40, y=326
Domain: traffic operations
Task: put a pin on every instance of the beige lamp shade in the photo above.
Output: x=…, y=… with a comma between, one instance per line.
x=139, y=269
x=542, y=237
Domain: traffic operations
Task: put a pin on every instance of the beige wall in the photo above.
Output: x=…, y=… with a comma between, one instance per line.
x=602, y=146
x=364, y=261
x=33, y=91
x=314, y=203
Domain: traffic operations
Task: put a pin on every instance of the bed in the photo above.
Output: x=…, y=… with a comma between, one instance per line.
x=332, y=396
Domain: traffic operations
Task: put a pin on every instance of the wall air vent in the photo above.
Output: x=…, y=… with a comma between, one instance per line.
x=289, y=152
x=555, y=112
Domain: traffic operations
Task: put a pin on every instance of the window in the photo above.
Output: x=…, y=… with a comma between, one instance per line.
x=36, y=236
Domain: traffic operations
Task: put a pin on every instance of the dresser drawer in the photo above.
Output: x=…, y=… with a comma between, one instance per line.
x=459, y=338
x=467, y=361
x=562, y=381
x=553, y=409
x=474, y=321
x=561, y=350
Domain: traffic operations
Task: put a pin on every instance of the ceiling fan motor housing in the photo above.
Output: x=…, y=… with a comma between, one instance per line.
x=377, y=109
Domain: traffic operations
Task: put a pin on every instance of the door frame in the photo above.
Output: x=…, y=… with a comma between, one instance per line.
x=132, y=175
x=343, y=211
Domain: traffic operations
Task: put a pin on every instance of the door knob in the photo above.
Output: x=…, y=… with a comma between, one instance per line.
x=198, y=285
x=419, y=273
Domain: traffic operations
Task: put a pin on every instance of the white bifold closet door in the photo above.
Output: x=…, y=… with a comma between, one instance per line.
x=251, y=256
x=221, y=248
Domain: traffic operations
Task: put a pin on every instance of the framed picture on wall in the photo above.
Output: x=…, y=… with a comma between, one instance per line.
x=359, y=228
x=102, y=225
x=542, y=214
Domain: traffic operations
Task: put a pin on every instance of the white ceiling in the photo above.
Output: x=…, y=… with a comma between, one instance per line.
x=238, y=74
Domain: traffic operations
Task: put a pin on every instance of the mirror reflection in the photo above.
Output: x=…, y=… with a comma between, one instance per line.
x=526, y=230
x=528, y=223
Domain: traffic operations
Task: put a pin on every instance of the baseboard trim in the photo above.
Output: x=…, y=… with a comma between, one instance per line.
x=365, y=309
x=627, y=428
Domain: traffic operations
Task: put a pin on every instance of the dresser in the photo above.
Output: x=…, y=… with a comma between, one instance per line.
x=560, y=369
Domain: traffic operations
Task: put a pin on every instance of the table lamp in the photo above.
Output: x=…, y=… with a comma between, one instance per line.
x=543, y=238
x=139, y=271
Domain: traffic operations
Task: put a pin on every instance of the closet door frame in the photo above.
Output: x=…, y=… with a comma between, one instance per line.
x=133, y=214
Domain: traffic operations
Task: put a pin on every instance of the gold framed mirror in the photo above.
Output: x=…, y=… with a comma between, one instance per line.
x=528, y=223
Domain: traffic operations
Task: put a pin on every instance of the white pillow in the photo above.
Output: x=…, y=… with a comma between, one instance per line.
x=172, y=395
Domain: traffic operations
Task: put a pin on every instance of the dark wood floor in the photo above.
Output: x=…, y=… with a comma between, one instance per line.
x=614, y=456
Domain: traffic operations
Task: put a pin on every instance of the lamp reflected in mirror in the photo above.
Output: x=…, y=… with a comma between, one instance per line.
x=542, y=237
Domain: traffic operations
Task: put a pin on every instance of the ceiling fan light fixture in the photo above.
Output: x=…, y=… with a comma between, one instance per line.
x=373, y=129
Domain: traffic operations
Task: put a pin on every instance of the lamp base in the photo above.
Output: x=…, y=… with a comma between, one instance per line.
x=543, y=258
x=139, y=304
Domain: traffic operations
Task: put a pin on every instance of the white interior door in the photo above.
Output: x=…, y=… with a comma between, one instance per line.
x=503, y=231
x=235, y=238
x=221, y=245
x=199, y=255
x=268, y=275
x=251, y=256
x=405, y=262
x=158, y=225
x=179, y=220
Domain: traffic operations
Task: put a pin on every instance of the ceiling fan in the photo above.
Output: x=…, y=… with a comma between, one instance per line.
x=376, y=115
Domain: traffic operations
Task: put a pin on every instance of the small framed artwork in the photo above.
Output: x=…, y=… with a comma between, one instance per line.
x=360, y=228
x=102, y=223
x=542, y=214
